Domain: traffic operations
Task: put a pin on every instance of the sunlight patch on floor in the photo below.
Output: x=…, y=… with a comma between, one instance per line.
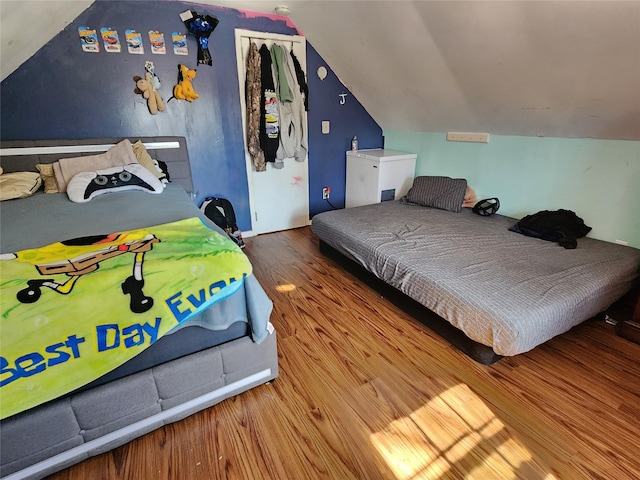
x=454, y=434
x=285, y=288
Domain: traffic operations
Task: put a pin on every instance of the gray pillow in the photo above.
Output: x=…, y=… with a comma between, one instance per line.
x=444, y=193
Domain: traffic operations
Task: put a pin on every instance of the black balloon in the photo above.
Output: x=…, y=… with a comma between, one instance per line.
x=201, y=26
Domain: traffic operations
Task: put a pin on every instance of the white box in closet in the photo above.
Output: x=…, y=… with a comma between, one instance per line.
x=377, y=175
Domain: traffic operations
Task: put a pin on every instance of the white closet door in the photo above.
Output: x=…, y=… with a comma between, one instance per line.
x=278, y=198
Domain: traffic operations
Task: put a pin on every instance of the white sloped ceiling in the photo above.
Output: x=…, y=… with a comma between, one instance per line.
x=534, y=68
x=26, y=25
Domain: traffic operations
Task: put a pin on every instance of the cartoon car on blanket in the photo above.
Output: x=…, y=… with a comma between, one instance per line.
x=88, y=253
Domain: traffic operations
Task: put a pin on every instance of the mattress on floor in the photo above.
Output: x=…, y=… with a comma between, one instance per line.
x=501, y=288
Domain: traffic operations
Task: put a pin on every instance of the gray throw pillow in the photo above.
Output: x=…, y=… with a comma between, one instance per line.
x=444, y=193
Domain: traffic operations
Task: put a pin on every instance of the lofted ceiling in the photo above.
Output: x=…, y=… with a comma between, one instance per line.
x=566, y=68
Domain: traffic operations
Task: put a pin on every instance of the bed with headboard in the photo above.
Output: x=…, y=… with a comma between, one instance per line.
x=133, y=309
x=490, y=290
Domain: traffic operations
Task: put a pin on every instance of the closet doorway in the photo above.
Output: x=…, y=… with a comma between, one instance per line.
x=278, y=197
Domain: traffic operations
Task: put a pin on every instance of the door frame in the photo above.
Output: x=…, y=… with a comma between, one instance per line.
x=240, y=35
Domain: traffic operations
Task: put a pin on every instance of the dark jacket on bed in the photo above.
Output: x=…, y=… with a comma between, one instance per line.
x=562, y=226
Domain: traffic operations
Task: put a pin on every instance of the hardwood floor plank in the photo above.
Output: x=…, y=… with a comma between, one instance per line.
x=367, y=392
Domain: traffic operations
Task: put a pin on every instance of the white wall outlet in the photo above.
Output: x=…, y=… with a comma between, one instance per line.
x=468, y=137
x=326, y=191
x=325, y=127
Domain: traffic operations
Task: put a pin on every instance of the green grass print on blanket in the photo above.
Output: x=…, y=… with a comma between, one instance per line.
x=75, y=310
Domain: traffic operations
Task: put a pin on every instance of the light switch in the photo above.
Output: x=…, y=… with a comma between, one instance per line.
x=325, y=126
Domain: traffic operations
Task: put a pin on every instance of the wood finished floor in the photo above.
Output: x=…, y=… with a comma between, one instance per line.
x=367, y=392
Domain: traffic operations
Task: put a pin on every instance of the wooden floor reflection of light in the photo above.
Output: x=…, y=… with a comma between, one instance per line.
x=285, y=288
x=452, y=433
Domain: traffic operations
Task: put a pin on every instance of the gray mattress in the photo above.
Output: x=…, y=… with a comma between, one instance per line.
x=502, y=289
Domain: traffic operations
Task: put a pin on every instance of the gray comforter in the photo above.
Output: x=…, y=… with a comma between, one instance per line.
x=500, y=288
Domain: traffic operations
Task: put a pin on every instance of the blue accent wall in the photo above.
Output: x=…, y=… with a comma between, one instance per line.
x=63, y=92
x=327, y=153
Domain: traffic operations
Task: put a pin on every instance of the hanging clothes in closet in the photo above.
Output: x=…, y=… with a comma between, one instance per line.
x=269, y=113
x=293, y=142
x=302, y=81
x=253, y=94
x=279, y=65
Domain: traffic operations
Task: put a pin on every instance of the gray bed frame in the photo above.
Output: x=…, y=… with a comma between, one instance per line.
x=63, y=432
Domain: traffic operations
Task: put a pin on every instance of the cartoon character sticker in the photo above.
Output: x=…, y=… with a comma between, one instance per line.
x=134, y=42
x=156, y=39
x=179, y=41
x=88, y=39
x=110, y=40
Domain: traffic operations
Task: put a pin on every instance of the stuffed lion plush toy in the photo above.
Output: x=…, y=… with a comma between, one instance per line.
x=184, y=89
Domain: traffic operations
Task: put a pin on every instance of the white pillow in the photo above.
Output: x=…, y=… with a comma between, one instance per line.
x=87, y=185
x=19, y=184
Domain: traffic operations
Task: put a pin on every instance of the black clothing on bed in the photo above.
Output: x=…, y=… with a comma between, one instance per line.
x=562, y=226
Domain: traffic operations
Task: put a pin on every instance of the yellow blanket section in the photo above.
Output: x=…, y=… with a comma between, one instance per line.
x=75, y=310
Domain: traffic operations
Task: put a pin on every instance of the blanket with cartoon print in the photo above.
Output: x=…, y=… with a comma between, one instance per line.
x=75, y=310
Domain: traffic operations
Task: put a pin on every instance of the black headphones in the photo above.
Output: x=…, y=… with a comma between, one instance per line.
x=486, y=207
